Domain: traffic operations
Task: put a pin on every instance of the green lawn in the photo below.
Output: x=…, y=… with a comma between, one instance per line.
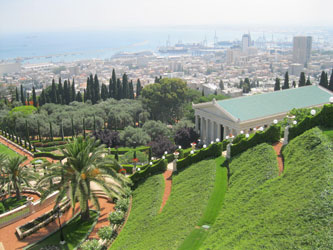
x=11, y=203
x=197, y=236
x=293, y=211
x=7, y=151
x=191, y=191
x=328, y=132
x=75, y=231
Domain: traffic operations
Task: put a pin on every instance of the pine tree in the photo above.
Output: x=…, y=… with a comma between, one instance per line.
x=125, y=87
x=131, y=90
x=119, y=90
x=286, y=81
x=301, y=80
x=34, y=98
x=17, y=97
x=22, y=95
x=330, y=86
x=79, y=97
x=73, y=93
x=65, y=98
x=138, y=88
x=308, y=82
x=53, y=92
x=277, y=84
x=104, y=92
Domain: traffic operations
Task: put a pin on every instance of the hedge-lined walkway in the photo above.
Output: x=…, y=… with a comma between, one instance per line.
x=21, y=152
x=167, y=190
x=277, y=148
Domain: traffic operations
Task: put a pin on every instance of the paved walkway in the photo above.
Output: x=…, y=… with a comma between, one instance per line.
x=167, y=190
x=277, y=148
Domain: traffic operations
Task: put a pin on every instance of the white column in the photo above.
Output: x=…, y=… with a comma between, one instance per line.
x=197, y=123
x=215, y=131
x=219, y=131
x=202, y=131
x=226, y=131
x=208, y=130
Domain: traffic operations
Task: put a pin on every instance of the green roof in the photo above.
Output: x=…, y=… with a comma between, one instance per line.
x=256, y=106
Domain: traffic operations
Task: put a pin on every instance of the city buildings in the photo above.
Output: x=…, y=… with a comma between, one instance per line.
x=302, y=49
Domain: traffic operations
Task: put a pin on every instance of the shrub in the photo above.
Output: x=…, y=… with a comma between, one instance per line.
x=108, y=137
x=185, y=136
x=91, y=245
x=49, y=155
x=122, y=204
x=105, y=233
x=161, y=145
x=129, y=156
x=157, y=167
x=116, y=217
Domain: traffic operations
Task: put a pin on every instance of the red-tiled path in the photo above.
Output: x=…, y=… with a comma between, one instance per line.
x=277, y=148
x=167, y=190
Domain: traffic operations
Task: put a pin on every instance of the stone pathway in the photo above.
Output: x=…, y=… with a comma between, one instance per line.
x=167, y=190
x=277, y=148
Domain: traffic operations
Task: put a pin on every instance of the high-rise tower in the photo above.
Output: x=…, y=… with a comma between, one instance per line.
x=302, y=49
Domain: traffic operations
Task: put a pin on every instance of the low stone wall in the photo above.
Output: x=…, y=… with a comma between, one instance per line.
x=17, y=146
x=25, y=210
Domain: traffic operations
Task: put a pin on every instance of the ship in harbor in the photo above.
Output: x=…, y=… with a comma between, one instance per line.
x=176, y=49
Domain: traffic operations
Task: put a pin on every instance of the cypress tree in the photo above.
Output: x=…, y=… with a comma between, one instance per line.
x=308, y=81
x=53, y=92
x=28, y=99
x=330, y=86
x=157, y=80
x=286, y=81
x=104, y=92
x=150, y=153
x=17, y=97
x=84, y=128
x=22, y=95
x=301, y=80
x=51, y=132
x=38, y=130
x=94, y=128
x=90, y=89
x=116, y=156
x=97, y=94
x=60, y=93
x=138, y=88
x=84, y=95
x=277, y=84
x=72, y=128
x=114, y=84
x=34, y=98
x=73, y=96
x=294, y=84
x=119, y=90
x=26, y=131
x=323, y=80
x=62, y=131
x=69, y=94
x=125, y=94
x=79, y=97
x=221, y=85
x=131, y=90
x=42, y=99
x=110, y=88
x=65, y=92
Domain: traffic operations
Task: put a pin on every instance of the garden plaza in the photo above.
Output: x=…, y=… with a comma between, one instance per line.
x=218, y=119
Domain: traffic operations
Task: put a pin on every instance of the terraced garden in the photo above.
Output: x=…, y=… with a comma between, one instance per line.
x=146, y=229
x=293, y=211
x=7, y=151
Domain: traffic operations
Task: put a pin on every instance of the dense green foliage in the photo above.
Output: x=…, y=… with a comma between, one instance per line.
x=11, y=203
x=75, y=231
x=146, y=229
x=293, y=211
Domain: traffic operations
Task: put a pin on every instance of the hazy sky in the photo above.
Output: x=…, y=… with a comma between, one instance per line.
x=49, y=15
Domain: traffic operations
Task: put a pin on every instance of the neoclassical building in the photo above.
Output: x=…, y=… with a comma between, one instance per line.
x=217, y=119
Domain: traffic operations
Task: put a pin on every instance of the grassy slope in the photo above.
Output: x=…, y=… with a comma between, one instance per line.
x=11, y=203
x=191, y=190
x=74, y=233
x=7, y=151
x=248, y=171
x=198, y=235
x=147, y=199
x=293, y=211
x=328, y=132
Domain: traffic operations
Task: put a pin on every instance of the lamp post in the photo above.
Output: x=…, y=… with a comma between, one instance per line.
x=62, y=237
x=176, y=154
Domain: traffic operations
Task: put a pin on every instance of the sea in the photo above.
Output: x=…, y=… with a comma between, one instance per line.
x=67, y=46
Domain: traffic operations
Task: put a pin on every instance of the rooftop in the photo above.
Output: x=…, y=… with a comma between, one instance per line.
x=261, y=105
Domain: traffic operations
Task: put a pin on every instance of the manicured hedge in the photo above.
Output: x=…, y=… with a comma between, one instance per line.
x=124, y=150
x=213, y=150
x=49, y=144
x=49, y=155
x=270, y=135
x=159, y=167
x=323, y=118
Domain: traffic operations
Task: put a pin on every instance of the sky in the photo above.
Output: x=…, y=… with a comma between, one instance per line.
x=60, y=15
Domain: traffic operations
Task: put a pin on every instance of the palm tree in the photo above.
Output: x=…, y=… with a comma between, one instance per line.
x=15, y=174
x=85, y=165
